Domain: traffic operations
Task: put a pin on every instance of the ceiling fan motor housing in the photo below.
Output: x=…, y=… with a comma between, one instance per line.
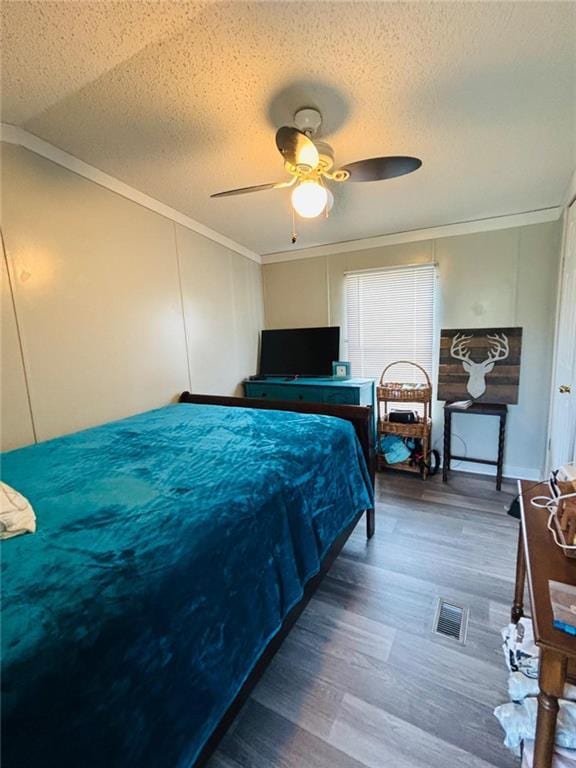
x=308, y=120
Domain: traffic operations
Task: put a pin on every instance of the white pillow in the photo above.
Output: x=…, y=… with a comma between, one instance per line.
x=16, y=513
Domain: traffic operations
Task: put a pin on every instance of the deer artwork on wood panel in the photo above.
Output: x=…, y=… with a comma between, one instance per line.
x=499, y=350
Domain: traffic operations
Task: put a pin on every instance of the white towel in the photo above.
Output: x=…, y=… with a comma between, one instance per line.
x=16, y=513
x=519, y=723
x=520, y=687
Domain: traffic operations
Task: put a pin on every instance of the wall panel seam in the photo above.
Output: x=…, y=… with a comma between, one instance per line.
x=517, y=273
x=19, y=336
x=235, y=319
x=182, y=306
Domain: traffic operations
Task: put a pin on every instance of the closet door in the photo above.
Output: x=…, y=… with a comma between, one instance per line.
x=562, y=444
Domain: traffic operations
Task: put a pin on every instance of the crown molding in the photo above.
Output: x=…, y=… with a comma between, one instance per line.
x=417, y=235
x=11, y=134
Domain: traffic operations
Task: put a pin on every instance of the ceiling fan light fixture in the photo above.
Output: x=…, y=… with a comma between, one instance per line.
x=310, y=164
x=309, y=199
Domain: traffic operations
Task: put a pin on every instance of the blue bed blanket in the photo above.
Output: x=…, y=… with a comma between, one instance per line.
x=170, y=547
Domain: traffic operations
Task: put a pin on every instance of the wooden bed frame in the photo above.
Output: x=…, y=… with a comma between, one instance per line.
x=361, y=417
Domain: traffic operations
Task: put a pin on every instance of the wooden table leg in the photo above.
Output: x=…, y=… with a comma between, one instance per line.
x=447, y=446
x=518, y=605
x=552, y=677
x=501, y=441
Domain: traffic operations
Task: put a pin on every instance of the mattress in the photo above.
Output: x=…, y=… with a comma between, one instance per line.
x=170, y=547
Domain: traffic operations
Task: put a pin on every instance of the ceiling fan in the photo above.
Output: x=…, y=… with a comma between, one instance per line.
x=310, y=163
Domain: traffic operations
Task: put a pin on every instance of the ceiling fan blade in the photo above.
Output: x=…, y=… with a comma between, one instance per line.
x=378, y=168
x=246, y=190
x=296, y=148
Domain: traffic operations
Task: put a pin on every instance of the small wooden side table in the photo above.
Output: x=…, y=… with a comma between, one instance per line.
x=483, y=409
x=542, y=561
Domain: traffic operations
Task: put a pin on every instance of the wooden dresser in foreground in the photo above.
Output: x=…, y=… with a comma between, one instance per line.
x=542, y=561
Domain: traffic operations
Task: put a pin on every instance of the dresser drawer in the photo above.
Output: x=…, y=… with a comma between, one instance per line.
x=260, y=390
x=290, y=392
x=340, y=396
x=308, y=394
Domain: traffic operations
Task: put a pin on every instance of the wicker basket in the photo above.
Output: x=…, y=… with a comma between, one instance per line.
x=417, y=429
x=404, y=393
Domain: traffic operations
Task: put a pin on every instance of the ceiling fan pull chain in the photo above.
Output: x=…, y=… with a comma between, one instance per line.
x=294, y=234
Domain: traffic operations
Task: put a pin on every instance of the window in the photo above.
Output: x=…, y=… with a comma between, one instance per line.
x=389, y=317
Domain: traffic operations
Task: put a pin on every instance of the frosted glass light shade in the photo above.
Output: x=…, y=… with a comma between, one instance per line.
x=309, y=199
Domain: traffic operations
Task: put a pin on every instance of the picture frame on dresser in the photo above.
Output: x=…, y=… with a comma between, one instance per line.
x=340, y=369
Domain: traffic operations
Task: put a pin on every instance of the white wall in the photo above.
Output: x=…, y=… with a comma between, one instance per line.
x=506, y=277
x=222, y=295
x=119, y=309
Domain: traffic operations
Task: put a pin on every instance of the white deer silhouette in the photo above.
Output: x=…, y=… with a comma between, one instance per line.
x=499, y=350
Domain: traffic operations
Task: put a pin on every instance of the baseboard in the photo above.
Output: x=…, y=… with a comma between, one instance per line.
x=514, y=473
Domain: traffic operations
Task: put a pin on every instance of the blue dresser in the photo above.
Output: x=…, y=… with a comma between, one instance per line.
x=313, y=390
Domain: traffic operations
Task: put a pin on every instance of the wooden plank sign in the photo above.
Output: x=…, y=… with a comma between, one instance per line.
x=480, y=364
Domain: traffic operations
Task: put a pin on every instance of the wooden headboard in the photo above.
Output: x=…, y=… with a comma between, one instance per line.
x=360, y=416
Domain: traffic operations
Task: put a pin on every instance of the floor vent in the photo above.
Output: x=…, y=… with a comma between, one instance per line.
x=451, y=620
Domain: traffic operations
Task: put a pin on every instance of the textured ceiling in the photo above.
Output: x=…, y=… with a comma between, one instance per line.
x=182, y=99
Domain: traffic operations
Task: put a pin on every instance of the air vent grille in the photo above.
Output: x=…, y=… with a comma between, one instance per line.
x=451, y=620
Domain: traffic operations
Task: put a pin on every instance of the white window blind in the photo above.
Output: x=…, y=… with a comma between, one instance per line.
x=389, y=317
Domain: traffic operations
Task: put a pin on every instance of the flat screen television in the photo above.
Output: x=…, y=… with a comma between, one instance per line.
x=299, y=351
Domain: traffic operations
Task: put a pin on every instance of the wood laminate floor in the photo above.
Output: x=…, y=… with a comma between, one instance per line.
x=361, y=681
